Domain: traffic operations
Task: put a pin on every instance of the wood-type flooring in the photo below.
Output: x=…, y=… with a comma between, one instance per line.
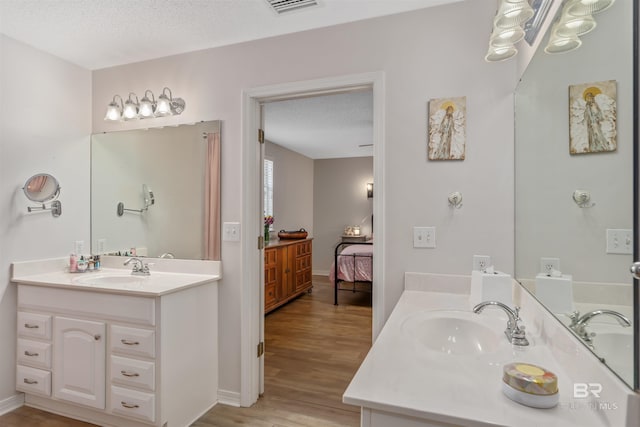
x=312, y=350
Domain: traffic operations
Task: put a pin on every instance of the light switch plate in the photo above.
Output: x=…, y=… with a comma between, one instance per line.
x=424, y=237
x=231, y=232
x=619, y=241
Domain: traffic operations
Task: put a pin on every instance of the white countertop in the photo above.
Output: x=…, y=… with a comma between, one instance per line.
x=400, y=377
x=51, y=273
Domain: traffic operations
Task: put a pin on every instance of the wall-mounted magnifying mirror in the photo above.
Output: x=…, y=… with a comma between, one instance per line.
x=149, y=200
x=43, y=188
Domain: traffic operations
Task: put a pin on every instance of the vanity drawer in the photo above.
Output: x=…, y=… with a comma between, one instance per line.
x=34, y=353
x=130, y=372
x=135, y=341
x=134, y=404
x=32, y=380
x=34, y=325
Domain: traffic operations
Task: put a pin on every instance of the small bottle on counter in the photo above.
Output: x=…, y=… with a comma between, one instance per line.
x=73, y=263
x=96, y=262
x=82, y=264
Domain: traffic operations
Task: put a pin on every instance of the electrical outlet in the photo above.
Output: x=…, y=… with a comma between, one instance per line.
x=549, y=264
x=619, y=241
x=424, y=237
x=231, y=232
x=481, y=262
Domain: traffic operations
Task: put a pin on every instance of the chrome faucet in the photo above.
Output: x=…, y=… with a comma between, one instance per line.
x=514, y=332
x=579, y=324
x=139, y=268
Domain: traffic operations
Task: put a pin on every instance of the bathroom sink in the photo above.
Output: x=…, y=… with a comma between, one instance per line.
x=616, y=348
x=110, y=280
x=454, y=332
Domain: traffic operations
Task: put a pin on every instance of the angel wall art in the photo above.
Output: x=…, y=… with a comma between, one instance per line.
x=447, y=128
x=592, y=117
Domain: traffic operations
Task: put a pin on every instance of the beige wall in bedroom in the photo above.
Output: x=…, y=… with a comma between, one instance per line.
x=339, y=199
x=292, y=189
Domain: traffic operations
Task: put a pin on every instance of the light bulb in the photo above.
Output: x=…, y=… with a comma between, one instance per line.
x=164, y=106
x=113, y=112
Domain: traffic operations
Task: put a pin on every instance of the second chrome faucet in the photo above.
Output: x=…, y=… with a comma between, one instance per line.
x=514, y=332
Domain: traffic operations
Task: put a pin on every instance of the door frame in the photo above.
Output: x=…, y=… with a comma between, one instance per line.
x=251, y=310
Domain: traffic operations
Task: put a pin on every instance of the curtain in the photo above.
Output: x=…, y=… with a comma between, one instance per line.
x=212, y=199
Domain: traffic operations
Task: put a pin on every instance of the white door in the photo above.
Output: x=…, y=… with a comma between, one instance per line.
x=79, y=361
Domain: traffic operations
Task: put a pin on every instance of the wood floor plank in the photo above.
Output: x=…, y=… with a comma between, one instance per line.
x=312, y=350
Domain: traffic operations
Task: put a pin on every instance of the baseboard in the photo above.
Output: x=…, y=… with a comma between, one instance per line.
x=320, y=273
x=11, y=403
x=230, y=398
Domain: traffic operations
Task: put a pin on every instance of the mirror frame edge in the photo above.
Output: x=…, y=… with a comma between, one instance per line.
x=636, y=198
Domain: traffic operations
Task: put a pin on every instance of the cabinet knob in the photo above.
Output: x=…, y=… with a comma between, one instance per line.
x=30, y=381
x=97, y=337
x=30, y=326
x=129, y=342
x=129, y=374
x=31, y=354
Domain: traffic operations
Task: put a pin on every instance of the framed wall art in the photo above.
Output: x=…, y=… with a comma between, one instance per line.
x=447, y=128
x=592, y=117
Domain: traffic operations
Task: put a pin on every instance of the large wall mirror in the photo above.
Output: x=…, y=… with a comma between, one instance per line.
x=156, y=192
x=574, y=211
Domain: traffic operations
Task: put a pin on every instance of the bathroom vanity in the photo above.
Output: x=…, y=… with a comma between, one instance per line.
x=436, y=363
x=115, y=349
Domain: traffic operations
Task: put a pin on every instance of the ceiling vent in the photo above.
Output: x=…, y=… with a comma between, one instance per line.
x=284, y=6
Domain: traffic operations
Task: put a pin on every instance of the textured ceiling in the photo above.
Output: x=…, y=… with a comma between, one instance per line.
x=103, y=33
x=322, y=127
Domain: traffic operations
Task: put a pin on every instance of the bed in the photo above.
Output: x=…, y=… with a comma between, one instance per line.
x=353, y=264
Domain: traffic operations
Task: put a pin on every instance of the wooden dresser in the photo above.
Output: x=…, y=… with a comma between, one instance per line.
x=287, y=271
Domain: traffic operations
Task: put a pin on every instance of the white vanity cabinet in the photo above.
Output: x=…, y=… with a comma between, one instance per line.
x=118, y=359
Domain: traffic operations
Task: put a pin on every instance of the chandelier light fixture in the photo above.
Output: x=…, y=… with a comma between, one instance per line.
x=146, y=108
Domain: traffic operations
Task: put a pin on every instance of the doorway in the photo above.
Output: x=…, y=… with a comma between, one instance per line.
x=252, y=328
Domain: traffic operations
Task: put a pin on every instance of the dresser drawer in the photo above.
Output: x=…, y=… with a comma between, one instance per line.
x=135, y=341
x=34, y=325
x=134, y=404
x=34, y=353
x=32, y=380
x=130, y=372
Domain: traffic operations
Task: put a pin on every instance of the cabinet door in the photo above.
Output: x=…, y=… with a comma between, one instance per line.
x=79, y=361
x=272, y=276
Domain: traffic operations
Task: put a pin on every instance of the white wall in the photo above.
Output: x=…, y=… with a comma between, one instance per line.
x=425, y=54
x=45, y=106
x=339, y=199
x=292, y=189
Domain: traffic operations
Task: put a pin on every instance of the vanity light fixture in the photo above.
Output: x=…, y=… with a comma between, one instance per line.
x=132, y=109
x=114, y=111
x=576, y=19
x=147, y=106
x=508, y=30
